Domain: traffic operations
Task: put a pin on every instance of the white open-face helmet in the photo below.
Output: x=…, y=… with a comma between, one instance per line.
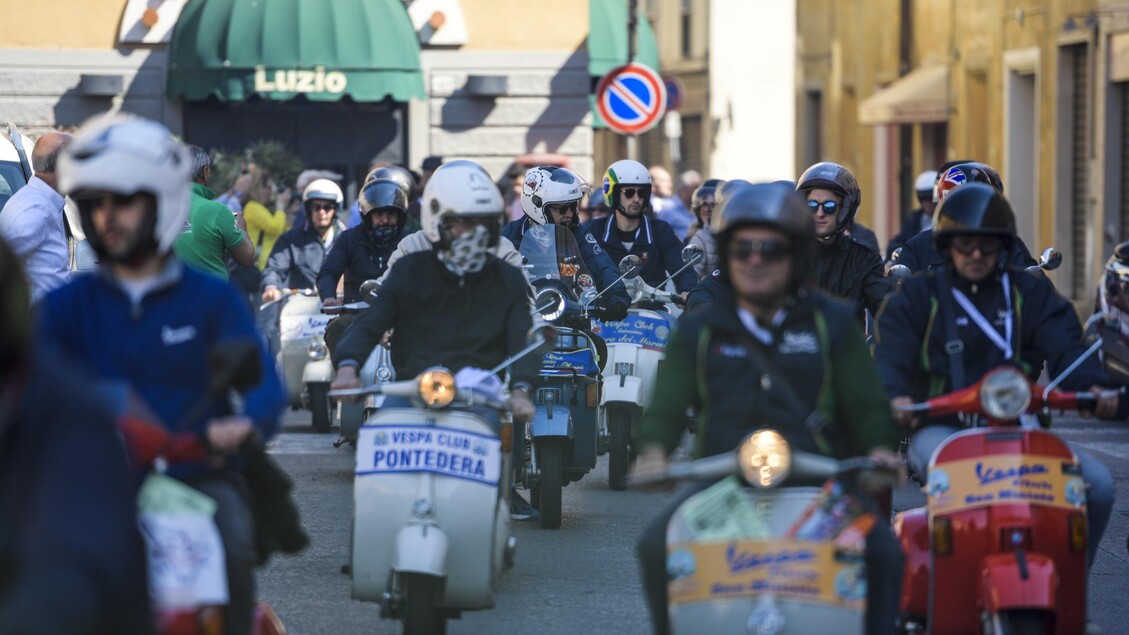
x=923, y=184
x=323, y=190
x=458, y=188
x=125, y=154
x=550, y=185
x=625, y=172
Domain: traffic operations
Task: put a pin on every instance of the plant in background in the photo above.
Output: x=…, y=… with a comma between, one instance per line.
x=280, y=163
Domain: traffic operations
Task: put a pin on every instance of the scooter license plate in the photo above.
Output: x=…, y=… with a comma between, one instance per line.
x=387, y=449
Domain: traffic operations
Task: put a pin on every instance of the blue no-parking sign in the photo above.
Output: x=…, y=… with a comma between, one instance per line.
x=631, y=98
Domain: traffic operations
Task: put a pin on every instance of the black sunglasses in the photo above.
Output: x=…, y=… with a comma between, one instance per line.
x=630, y=192
x=987, y=246
x=317, y=207
x=769, y=250
x=829, y=207
x=561, y=208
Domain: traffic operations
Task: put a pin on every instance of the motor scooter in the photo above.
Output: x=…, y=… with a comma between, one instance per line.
x=431, y=521
x=775, y=546
x=1110, y=322
x=303, y=357
x=1001, y=545
x=636, y=346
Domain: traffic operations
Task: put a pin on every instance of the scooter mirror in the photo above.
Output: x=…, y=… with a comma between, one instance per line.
x=899, y=272
x=544, y=334
x=630, y=266
x=234, y=364
x=894, y=255
x=692, y=254
x=369, y=288
x=1050, y=259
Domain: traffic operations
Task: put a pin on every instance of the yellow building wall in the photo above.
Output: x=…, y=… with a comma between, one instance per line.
x=89, y=24
x=521, y=24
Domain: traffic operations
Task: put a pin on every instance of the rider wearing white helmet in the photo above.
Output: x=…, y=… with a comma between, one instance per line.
x=455, y=305
x=298, y=254
x=130, y=179
x=552, y=195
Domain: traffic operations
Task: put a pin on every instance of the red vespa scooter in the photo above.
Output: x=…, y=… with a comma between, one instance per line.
x=1001, y=545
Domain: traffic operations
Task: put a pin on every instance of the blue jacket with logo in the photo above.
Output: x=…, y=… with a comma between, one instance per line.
x=655, y=243
x=601, y=266
x=160, y=344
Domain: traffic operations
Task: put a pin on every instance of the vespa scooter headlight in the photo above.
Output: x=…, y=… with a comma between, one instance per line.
x=551, y=303
x=317, y=350
x=1005, y=394
x=765, y=458
x=437, y=387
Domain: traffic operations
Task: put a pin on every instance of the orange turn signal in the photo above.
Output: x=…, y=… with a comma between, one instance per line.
x=1078, y=537
x=942, y=536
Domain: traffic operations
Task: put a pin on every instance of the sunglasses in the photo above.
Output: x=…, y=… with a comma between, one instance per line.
x=329, y=207
x=630, y=192
x=829, y=207
x=967, y=246
x=562, y=208
x=768, y=250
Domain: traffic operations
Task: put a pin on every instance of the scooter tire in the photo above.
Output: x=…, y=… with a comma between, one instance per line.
x=619, y=448
x=320, y=412
x=1023, y=622
x=422, y=595
x=548, y=494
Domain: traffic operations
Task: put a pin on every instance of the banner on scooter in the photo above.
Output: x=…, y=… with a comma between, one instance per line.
x=564, y=363
x=640, y=330
x=296, y=326
x=402, y=449
x=1005, y=478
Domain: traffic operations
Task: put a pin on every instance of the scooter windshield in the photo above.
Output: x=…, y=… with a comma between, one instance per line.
x=550, y=253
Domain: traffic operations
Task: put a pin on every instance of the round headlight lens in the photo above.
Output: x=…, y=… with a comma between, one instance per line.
x=551, y=303
x=317, y=350
x=765, y=458
x=437, y=387
x=1005, y=394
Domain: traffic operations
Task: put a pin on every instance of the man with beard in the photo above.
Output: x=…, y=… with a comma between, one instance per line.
x=769, y=352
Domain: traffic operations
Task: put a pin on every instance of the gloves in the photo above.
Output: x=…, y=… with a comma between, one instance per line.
x=615, y=310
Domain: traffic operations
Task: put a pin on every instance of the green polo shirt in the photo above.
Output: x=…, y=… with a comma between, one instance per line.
x=208, y=234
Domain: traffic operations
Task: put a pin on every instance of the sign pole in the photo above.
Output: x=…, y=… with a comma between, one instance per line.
x=632, y=23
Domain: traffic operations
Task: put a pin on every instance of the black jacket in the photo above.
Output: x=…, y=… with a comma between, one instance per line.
x=442, y=319
x=910, y=337
x=356, y=255
x=912, y=225
x=850, y=270
x=919, y=254
x=71, y=556
x=817, y=350
x=655, y=243
x=296, y=258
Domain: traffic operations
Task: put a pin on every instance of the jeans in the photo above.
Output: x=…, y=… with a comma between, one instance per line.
x=884, y=566
x=1100, y=490
x=236, y=528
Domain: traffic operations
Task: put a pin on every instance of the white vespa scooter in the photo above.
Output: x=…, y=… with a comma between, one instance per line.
x=303, y=357
x=431, y=519
x=636, y=345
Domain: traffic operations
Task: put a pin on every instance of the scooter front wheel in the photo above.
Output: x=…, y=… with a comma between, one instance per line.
x=619, y=448
x=422, y=594
x=548, y=492
x=320, y=406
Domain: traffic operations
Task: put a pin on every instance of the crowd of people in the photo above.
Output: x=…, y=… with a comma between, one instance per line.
x=767, y=336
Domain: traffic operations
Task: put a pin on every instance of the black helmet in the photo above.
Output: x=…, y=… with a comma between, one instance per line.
x=384, y=194
x=770, y=205
x=973, y=209
x=399, y=175
x=955, y=175
x=838, y=179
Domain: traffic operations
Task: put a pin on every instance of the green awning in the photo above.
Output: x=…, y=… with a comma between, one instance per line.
x=607, y=43
x=279, y=49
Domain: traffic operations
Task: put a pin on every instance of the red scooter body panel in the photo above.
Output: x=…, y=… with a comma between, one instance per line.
x=1003, y=479
x=912, y=529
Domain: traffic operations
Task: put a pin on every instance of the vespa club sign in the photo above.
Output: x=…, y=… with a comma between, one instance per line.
x=316, y=80
x=405, y=449
x=1005, y=478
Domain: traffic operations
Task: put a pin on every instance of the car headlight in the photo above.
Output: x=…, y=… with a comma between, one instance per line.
x=317, y=350
x=437, y=387
x=765, y=458
x=1005, y=394
x=550, y=302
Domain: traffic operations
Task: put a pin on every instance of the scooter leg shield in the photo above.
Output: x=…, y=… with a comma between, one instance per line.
x=912, y=530
x=421, y=548
x=631, y=392
x=318, y=372
x=1003, y=585
x=551, y=420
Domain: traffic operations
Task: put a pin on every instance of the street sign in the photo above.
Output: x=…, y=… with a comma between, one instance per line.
x=674, y=92
x=631, y=98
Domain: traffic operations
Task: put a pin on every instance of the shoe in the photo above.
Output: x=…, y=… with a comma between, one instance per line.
x=520, y=509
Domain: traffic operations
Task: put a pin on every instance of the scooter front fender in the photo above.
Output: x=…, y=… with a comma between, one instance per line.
x=627, y=389
x=421, y=548
x=320, y=371
x=551, y=420
x=1003, y=587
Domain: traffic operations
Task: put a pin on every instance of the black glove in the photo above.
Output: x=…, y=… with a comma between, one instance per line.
x=615, y=310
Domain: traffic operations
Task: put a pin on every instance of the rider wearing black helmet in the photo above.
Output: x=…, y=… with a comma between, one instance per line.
x=844, y=266
x=997, y=314
x=919, y=252
x=769, y=351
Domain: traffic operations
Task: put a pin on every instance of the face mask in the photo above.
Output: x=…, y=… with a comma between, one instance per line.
x=467, y=253
x=384, y=236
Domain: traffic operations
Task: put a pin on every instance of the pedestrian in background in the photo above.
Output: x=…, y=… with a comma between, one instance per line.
x=212, y=230
x=33, y=222
x=667, y=207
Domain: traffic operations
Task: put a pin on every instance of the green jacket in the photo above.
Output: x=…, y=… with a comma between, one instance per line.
x=208, y=234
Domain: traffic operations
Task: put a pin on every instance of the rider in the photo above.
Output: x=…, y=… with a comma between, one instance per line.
x=1000, y=315
x=627, y=190
x=919, y=252
x=68, y=510
x=298, y=254
x=702, y=203
x=844, y=266
x=769, y=350
x=919, y=219
x=551, y=195
x=146, y=319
